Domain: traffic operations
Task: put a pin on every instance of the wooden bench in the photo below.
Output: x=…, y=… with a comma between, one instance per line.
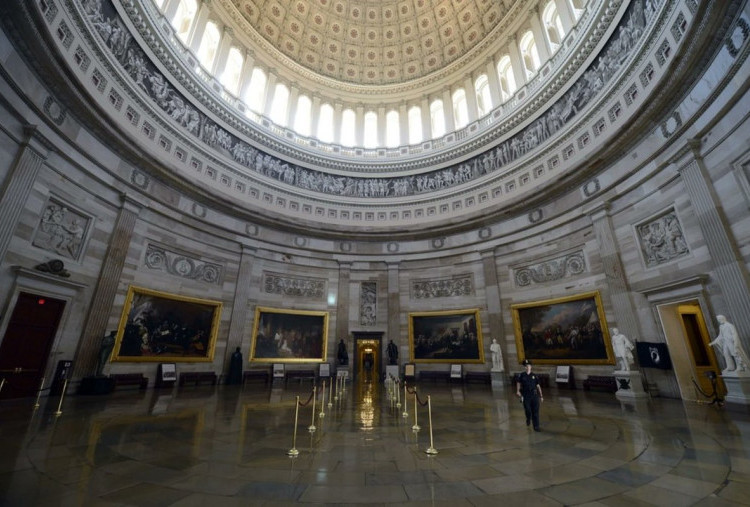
x=130, y=379
x=434, y=376
x=197, y=377
x=479, y=377
x=255, y=375
x=602, y=382
x=299, y=375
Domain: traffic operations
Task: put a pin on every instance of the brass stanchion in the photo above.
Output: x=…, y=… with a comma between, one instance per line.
x=406, y=404
x=62, y=395
x=322, y=413
x=430, y=450
x=398, y=396
x=416, y=427
x=39, y=394
x=293, y=451
x=330, y=394
x=336, y=394
x=312, y=427
x=2, y=383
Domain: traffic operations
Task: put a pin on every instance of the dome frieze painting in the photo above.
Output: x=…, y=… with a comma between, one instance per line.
x=500, y=158
x=373, y=42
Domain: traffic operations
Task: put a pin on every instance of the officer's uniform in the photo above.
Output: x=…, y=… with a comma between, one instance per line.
x=528, y=387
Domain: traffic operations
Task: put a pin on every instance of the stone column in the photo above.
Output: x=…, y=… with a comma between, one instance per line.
x=195, y=34
x=246, y=75
x=450, y=120
x=16, y=188
x=394, y=309
x=269, y=92
x=315, y=112
x=494, y=80
x=403, y=124
x=242, y=290
x=426, y=119
x=471, y=100
x=540, y=37
x=359, y=125
x=342, y=307
x=291, y=111
x=222, y=54
x=729, y=271
x=106, y=288
x=567, y=18
x=494, y=309
x=622, y=304
x=516, y=62
x=338, y=113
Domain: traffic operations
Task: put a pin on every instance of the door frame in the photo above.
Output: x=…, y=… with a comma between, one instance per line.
x=365, y=336
x=43, y=284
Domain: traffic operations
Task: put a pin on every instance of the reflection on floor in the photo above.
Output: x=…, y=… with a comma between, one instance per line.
x=228, y=446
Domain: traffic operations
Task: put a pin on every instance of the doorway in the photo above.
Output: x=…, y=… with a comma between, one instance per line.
x=26, y=344
x=693, y=359
x=368, y=364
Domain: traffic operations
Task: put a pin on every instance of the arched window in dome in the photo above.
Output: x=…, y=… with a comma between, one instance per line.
x=553, y=25
x=529, y=53
x=209, y=45
x=256, y=92
x=303, y=116
x=460, y=108
x=325, y=123
x=415, y=125
x=506, y=77
x=370, y=139
x=392, y=129
x=280, y=105
x=578, y=6
x=484, y=98
x=230, y=78
x=347, y=127
x=437, y=118
x=183, y=18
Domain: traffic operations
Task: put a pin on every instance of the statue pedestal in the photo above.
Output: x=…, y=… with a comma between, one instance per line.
x=738, y=388
x=629, y=385
x=498, y=379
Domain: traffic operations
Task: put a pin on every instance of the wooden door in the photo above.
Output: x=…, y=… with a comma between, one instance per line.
x=28, y=338
x=702, y=355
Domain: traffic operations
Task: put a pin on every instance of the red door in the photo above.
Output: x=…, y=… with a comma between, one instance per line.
x=25, y=347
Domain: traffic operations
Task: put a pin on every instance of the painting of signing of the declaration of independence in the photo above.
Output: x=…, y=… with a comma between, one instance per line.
x=453, y=336
x=156, y=326
x=289, y=336
x=569, y=330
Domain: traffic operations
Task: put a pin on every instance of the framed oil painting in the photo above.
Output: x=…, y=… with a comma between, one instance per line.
x=453, y=336
x=568, y=330
x=289, y=336
x=161, y=327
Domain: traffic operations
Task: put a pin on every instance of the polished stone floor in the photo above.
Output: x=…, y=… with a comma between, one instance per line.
x=229, y=446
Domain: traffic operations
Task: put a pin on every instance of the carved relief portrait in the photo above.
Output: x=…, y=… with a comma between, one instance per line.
x=61, y=230
x=661, y=239
x=368, y=303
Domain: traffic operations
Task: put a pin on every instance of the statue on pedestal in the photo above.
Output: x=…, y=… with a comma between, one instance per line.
x=392, y=351
x=343, y=355
x=623, y=349
x=497, y=356
x=728, y=341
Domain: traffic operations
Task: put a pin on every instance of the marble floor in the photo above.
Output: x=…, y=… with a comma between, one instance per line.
x=229, y=446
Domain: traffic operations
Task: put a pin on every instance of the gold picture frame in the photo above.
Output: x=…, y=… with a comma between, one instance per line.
x=450, y=336
x=160, y=327
x=289, y=336
x=566, y=330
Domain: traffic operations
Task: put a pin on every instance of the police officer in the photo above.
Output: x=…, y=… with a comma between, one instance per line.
x=530, y=392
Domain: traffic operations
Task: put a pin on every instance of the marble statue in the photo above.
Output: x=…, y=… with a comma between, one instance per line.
x=623, y=349
x=728, y=341
x=497, y=356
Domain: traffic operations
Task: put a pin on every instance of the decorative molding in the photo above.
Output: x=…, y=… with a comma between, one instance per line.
x=550, y=270
x=177, y=264
x=303, y=287
x=454, y=286
x=368, y=303
x=54, y=110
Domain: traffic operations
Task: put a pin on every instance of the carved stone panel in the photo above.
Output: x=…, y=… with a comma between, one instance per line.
x=567, y=265
x=461, y=285
x=178, y=264
x=285, y=285
x=661, y=239
x=62, y=230
x=368, y=303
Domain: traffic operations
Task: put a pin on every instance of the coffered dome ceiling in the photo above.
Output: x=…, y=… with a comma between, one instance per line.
x=373, y=41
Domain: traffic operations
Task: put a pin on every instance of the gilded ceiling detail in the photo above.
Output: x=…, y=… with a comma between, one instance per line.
x=373, y=41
